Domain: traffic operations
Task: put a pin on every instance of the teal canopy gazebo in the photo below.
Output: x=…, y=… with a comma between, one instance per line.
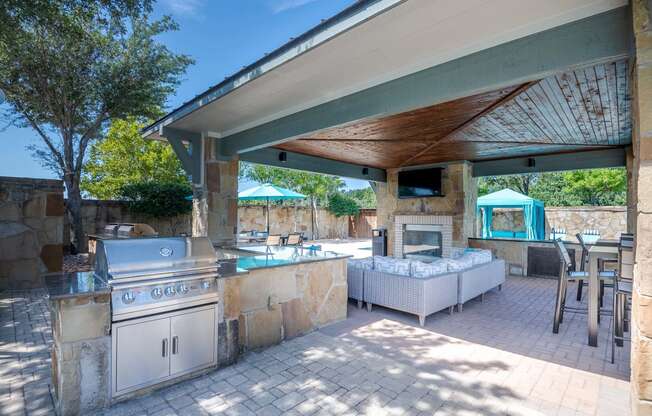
x=533, y=213
x=268, y=192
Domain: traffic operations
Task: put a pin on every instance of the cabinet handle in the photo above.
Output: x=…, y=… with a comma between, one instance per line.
x=175, y=345
x=164, y=347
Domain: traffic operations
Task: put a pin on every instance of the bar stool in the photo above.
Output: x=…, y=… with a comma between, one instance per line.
x=623, y=285
x=606, y=277
x=566, y=274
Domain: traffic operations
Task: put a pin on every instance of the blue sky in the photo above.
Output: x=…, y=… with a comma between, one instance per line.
x=222, y=36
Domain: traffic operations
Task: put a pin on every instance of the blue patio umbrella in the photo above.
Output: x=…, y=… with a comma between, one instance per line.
x=268, y=192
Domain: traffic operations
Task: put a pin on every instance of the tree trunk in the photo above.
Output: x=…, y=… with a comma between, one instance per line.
x=315, y=221
x=73, y=206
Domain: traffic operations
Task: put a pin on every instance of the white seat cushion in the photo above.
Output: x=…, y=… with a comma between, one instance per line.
x=392, y=265
x=421, y=269
x=366, y=263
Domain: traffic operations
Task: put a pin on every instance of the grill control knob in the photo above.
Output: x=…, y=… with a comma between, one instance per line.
x=205, y=284
x=170, y=291
x=157, y=292
x=182, y=289
x=128, y=297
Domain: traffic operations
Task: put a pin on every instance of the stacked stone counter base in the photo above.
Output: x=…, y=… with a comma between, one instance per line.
x=274, y=304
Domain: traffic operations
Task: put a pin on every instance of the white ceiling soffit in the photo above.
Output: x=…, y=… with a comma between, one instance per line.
x=413, y=35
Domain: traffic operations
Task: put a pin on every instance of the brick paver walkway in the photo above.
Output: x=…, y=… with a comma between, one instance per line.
x=495, y=358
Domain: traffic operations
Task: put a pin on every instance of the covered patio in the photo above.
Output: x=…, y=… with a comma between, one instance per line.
x=498, y=357
x=538, y=87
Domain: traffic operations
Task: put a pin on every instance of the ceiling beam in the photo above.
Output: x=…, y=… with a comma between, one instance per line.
x=601, y=38
x=190, y=156
x=292, y=160
x=607, y=158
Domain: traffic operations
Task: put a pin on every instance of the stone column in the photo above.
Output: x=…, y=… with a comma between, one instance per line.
x=459, y=201
x=641, y=376
x=215, y=197
x=222, y=201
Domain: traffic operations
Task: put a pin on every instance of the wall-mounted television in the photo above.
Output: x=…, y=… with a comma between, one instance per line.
x=420, y=183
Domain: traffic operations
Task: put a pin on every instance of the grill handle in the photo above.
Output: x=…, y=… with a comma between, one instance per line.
x=175, y=345
x=164, y=347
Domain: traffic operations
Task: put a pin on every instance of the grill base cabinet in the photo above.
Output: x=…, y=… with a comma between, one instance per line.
x=154, y=349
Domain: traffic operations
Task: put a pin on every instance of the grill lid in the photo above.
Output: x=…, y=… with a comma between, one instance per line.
x=149, y=258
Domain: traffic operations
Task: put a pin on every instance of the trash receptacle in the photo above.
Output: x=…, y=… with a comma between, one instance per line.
x=379, y=242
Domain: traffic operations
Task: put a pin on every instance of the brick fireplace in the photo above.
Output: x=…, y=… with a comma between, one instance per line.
x=438, y=223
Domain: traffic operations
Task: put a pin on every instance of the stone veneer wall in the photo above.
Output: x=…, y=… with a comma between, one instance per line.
x=611, y=221
x=97, y=213
x=31, y=230
x=641, y=171
x=273, y=304
x=459, y=201
x=285, y=219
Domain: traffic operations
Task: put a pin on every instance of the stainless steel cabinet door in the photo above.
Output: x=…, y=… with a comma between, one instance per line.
x=193, y=340
x=143, y=353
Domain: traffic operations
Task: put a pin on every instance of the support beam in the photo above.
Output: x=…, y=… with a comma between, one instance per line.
x=273, y=157
x=607, y=158
x=600, y=38
x=191, y=157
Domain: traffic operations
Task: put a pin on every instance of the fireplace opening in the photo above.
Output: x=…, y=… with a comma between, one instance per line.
x=422, y=242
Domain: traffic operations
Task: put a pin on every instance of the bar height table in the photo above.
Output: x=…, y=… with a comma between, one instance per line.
x=595, y=253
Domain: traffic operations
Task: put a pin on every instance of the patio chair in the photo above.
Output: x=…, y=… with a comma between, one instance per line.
x=604, y=275
x=623, y=284
x=273, y=240
x=294, y=239
x=566, y=274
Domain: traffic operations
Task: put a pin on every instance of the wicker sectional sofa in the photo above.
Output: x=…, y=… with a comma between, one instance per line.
x=424, y=288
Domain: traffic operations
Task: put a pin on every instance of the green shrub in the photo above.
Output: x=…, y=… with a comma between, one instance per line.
x=158, y=200
x=341, y=205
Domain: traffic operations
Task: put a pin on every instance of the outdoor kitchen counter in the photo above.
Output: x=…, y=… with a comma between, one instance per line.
x=80, y=307
x=285, y=292
x=69, y=285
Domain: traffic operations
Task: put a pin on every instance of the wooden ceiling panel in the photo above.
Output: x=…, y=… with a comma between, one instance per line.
x=424, y=125
x=588, y=106
x=582, y=109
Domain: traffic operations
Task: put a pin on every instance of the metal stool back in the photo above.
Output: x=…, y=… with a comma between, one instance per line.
x=623, y=286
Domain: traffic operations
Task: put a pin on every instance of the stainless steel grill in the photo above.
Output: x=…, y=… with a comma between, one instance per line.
x=155, y=275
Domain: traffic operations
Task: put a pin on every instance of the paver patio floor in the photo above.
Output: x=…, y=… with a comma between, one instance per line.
x=495, y=358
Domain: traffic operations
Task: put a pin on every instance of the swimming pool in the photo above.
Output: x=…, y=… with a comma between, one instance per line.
x=258, y=257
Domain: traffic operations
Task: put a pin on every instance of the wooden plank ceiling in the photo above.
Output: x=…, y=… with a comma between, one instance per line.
x=584, y=109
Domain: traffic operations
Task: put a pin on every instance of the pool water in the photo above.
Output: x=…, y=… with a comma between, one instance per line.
x=256, y=257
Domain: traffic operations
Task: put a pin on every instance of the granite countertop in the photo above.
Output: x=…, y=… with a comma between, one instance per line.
x=249, y=258
x=68, y=285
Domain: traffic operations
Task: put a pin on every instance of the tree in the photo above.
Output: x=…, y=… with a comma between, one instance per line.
x=340, y=204
x=124, y=157
x=158, y=200
x=571, y=188
x=366, y=197
x=315, y=185
x=68, y=67
x=598, y=186
x=519, y=183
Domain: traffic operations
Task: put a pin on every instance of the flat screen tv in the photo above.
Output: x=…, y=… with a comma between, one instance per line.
x=421, y=183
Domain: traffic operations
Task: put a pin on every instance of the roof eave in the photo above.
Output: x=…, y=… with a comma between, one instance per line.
x=352, y=16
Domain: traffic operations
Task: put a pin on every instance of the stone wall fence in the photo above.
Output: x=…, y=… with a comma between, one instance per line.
x=283, y=220
x=31, y=231
x=611, y=221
